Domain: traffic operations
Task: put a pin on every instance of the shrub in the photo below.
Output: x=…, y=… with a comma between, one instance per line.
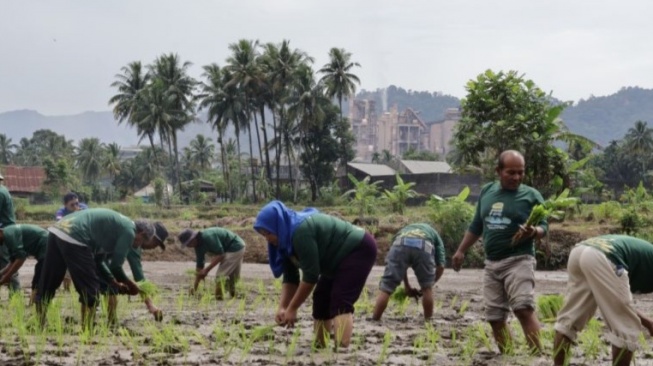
x=451, y=217
x=630, y=222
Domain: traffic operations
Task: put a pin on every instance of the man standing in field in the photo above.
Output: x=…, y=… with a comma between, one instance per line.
x=76, y=242
x=21, y=241
x=228, y=250
x=7, y=218
x=509, y=275
x=417, y=246
x=603, y=272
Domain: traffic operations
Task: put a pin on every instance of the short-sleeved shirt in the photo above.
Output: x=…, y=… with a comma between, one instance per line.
x=63, y=211
x=426, y=232
x=216, y=241
x=635, y=255
x=499, y=213
x=320, y=243
x=23, y=240
x=7, y=214
x=105, y=231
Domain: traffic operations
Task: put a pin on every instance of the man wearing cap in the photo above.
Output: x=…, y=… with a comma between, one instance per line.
x=134, y=260
x=228, y=249
x=76, y=242
x=419, y=247
x=7, y=218
x=21, y=241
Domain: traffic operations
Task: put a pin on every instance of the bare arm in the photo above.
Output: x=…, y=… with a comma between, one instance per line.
x=438, y=272
x=13, y=268
x=646, y=322
x=468, y=240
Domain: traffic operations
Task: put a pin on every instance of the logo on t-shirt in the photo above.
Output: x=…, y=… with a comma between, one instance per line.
x=495, y=219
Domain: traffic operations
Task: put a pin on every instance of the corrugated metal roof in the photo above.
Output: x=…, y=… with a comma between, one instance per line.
x=373, y=170
x=25, y=179
x=425, y=167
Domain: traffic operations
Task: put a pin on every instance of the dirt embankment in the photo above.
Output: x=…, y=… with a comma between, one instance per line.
x=560, y=239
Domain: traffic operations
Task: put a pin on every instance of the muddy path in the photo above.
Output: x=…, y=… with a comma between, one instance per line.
x=202, y=331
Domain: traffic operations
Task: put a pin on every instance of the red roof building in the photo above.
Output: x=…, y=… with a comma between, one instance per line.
x=23, y=181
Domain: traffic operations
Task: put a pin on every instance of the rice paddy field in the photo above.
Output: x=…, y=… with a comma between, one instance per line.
x=198, y=330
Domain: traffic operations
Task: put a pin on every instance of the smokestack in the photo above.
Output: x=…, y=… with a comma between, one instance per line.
x=384, y=99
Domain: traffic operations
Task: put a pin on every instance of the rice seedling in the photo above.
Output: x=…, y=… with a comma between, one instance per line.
x=463, y=307
x=589, y=340
x=548, y=307
x=292, y=345
x=385, y=346
x=454, y=301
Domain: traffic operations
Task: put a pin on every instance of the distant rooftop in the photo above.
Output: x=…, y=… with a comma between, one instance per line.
x=425, y=167
x=373, y=170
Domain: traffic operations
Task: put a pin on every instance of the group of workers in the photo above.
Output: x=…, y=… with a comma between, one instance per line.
x=325, y=257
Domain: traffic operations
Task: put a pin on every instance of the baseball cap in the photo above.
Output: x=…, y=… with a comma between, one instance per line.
x=161, y=234
x=187, y=236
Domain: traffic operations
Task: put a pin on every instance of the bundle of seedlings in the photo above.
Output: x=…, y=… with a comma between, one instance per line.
x=554, y=207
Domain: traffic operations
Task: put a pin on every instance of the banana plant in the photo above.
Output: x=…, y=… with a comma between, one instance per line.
x=400, y=194
x=363, y=195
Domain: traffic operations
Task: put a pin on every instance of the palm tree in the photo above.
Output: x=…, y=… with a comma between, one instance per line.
x=111, y=163
x=639, y=140
x=246, y=75
x=178, y=88
x=225, y=103
x=6, y=149
x=129, y=84
x=280, y=63
x=338, y=79
x=89, y=158
x=202, y=152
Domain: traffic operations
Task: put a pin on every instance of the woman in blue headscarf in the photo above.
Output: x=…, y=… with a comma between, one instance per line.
x=335, y=258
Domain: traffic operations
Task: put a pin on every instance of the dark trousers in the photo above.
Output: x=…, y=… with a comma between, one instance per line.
x=337, y=295
x=79, y=261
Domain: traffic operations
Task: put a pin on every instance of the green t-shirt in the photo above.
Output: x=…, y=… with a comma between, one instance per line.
x=499, y=213
x=216, y=241
x=104, y=231
x=7, y=214
x=320, y=243
x=636, y=255
x=23, y=240
x=426, y=232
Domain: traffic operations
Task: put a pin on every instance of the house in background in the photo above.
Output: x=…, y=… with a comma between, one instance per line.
x=423, y=167
x=23, y=181
x=147, y=193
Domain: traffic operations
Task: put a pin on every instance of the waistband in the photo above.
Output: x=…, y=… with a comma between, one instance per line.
x=418, y=243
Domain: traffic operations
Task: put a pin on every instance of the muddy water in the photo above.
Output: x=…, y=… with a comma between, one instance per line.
x=202, y=331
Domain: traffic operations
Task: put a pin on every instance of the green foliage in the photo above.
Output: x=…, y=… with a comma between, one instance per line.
x=505, y=111
x=630, y=222
x=451, y=217
x=20, y=208
x=422, y=155
x=400, y=193
x=607, y=210
x=331, y=195
x=363, y=195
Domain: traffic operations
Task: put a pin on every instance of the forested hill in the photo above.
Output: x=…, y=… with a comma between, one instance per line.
x=602, y=119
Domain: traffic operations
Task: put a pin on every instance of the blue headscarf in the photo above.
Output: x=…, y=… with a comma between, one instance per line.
x=281, y=221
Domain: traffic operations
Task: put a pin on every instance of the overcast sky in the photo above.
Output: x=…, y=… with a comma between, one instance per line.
x=59, y=57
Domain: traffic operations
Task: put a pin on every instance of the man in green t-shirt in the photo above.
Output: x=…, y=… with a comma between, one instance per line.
x=21, y=241
x=509, y=275
x=228, y=249
x=79, y=242
x=417, y=246
x=603, y=272
x=136, y=266
x=7, y=218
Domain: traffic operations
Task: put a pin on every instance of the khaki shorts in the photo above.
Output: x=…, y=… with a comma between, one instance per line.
x=594, y=283
x=230, y=265
x=508, y=284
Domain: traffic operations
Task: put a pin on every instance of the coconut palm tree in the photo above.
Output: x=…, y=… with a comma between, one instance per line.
x=111, y=163
x=202, y=152
x=129, y=84
x=639, y=140
x=247, y=76
x=279, y=63
x=178, y=88
x=89, y=158
x=7, y=149
x=338, y=79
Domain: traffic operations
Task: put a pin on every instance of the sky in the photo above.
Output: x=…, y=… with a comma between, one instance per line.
x=60, y=56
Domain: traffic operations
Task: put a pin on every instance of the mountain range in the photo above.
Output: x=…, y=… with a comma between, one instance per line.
x=601, y=119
